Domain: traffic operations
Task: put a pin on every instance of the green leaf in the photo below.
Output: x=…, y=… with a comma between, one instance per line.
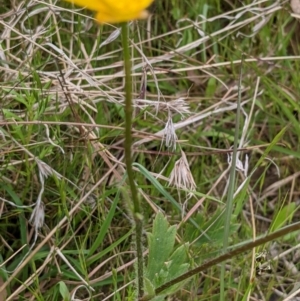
x=176, y=266
x=178, y=260
x=270, y=147
x=284, y=215
x=22, y=222
x=111, y=247
x=161, y=242
x=164, y=262
x=211, y=87
x=64, y=291
x=214, y=226
x=158, y=186
x=149, y=287
x=161, y=189
x=104, y=227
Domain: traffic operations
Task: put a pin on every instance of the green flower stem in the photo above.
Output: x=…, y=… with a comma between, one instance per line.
x=137, y=214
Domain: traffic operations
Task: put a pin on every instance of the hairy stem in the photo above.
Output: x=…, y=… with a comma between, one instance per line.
x=137, y=214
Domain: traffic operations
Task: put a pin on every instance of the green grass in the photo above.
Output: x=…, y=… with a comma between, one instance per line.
x=62, y=102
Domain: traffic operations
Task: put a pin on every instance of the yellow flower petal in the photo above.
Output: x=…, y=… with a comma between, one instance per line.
x=113, y=11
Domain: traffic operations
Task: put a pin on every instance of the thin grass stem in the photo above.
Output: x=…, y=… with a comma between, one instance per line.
x=229, y=203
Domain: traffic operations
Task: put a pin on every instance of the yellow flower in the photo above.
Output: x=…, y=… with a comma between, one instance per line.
x=114, y=11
